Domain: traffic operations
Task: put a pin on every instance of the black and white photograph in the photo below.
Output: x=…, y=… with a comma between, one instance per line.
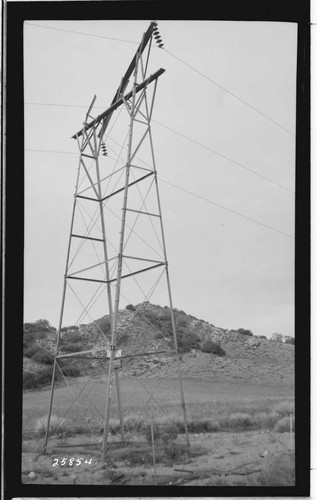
x=160, y=167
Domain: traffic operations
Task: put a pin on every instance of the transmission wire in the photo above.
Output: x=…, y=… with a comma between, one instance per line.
x=231, y=93
x=224, y=156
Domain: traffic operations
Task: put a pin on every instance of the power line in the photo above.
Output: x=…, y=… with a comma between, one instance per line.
x=59, y=105
x=226, y=208
x=183, y=62
x=81, y=33
x=231, y=93
x=50, y=151
x=189, y=139
x=192, y=194
x=224, y=156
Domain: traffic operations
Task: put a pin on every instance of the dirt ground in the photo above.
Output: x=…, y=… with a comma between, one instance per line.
x=214, y=459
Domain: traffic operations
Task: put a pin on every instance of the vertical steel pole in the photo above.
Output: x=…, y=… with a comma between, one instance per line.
x=168, y=284
x=61, y=313
x=103, y=227
x=120, y=258
x=153, y=454
x=116, y=371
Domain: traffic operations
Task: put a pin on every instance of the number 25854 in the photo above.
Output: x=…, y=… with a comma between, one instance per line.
x=71, y=461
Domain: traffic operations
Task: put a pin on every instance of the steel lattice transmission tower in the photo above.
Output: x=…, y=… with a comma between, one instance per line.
x=97, y=193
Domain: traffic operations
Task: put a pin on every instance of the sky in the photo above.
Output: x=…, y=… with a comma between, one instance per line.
x=224, y=268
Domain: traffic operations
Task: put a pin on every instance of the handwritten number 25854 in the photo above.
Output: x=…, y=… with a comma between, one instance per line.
x=71, y=461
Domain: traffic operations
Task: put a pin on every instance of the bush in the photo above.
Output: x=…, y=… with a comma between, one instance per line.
x=266, y=420
x=289, y=340
x=173, y=452
x=28, y=337
x=43, y=356
x=44, y=377
x=279, y=472
x=69, y=328
x=134, y=424
x=181, y=322
x=244, y=332
x=103, y=325
x=164, y=432
x=213, y=347
x=39, y=379
x=72, y=342
x=130, y=307
x=30, y=350
x=71, y=346
x=187, y=341
x=56, y=423
x=237, y=421
x=277, y=337
x=29, y=380
x=39, y=326
x=284, y=408
x=283, y=425
x=69, y=369
x=122, y=339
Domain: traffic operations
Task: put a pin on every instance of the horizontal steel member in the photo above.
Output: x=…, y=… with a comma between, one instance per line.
x=71, y=354
x=85, y=237
x=141, y=212
x=115, y=279
x=104, y=358
x=115, y=192
x=143, y=259
x=129, y=185
x=120, y=101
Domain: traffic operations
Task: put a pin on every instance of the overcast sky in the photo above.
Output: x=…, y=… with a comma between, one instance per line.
x=224, y=268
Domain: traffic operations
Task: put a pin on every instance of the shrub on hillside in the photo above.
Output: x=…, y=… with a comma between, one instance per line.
x=213, y=347
x=187, y=341
x=71, y=346
x=30, y=350
x=44, y=377
x=122, y=339
x=130, y=307
x=289, y=340
x=43, y=356
x=244, y=331
x=70, y=368
x=39, y=379
x=29, y=337
x=277, y=337
x=39, y=326
x=72, y=342
x=68, y=328
x=102, y=325
x=262, y=337
x=181, y=322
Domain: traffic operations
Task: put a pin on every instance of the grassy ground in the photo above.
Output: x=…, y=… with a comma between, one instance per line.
x=237, y=434
x=152, y=397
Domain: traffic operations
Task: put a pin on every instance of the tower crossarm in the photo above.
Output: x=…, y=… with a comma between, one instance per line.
x=125, y=79
x=120, y=101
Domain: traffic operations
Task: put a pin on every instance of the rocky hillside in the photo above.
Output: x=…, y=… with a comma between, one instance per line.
x=206, y=351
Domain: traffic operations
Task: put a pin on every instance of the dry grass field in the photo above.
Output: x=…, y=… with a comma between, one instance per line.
x=234, y=437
